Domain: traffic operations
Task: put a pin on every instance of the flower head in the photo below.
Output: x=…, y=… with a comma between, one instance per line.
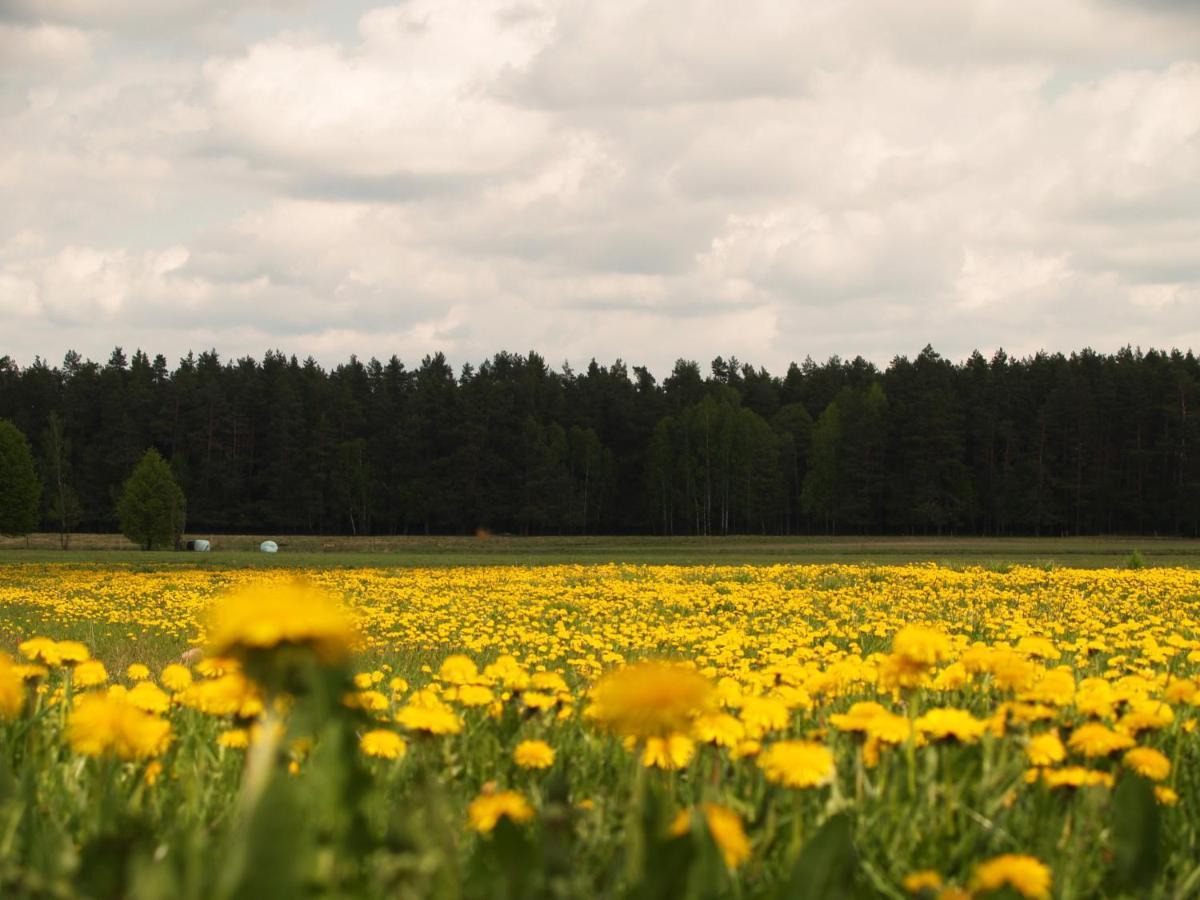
x=431, y=718
x=1094, y=739
x=383, y=744
x=12, y=688
x=674, y=751
x=924, y=880
x=488, y=809
x=101, y=724
x=1045, y=749
x=650, y=699
x=534, y=755
x=946, y=723
x=176, y=677
x=798, y=764
x=54, y=653
x=1026, y=875
x=1147, y=762
x=90, y=673
x=149, y=697
x=266, y=616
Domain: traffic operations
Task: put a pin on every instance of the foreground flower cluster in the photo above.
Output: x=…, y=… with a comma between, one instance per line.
x=609, y=730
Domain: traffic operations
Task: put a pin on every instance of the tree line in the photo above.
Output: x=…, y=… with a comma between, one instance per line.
x=1049, y=444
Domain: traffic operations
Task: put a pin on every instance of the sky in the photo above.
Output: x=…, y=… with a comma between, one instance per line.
x=646, y=180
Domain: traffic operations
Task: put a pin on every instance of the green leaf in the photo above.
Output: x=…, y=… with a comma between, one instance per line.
x=1136, y=834
x=826, y=866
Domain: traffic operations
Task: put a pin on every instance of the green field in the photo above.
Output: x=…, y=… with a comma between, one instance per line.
x=304, y=550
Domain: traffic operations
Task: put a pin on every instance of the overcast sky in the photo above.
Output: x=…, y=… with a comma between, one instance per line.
x=768, y=178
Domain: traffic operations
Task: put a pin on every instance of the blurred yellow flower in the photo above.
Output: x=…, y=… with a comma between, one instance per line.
x=533, y=755
x=489, y=808
x=104, y=723
x=383, y=744
x=1147, y=762
x=1093, y=739
x=1045, y=749
x=674, y=751
x=12, y=688
x=650, y=699
x=924, y=880
x=176, y=677
x=1026, y=875
x=90, y=673
x=431, y=719
x=797, y=764
x=265, y=616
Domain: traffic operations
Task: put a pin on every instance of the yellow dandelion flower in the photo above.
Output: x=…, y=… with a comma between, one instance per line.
x=1026, y=875
x=945, y=723
x=1045, y=749
x=924, y=880
x=798, y=764
x=90, y=673
x=1147, y=762
x=746, y=749
x=486, y=810
x=472, y=695
x=921, y=646
x=672, y=752
x=176, y=678
x=1093, y=739
x=137, y=672
x=439, y=719
x=650, y=699
x=719, y=729
x=762, y=715
x=1165, y=795
x=459, y=669
x=858, y=717
x=383, y=744
x=104, y=723
x=12, y=688
x=371, y=701
x=1071, y=777
x=264, y=616
x=533, y=755
x=149, y=697
x=234, y=739
x=539, y=700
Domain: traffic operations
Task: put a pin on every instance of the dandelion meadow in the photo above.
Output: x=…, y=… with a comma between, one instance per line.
x=624, y=731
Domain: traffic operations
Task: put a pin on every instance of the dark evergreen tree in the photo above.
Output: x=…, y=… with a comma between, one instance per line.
x=20, y=489
x=1083, y=443
x=151, y=508
x=62, y=503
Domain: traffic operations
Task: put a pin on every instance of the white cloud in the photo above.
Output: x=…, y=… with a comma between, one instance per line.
x=412, y=99
x=41, y=48
x=642, y=179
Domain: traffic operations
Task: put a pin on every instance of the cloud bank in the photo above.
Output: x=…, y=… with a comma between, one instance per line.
x=637, y=179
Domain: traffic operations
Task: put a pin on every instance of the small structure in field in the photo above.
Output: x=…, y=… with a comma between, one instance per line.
x=269, y=547
x=199, y=545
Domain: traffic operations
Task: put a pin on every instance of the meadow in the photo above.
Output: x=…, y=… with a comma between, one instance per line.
x=600, y=729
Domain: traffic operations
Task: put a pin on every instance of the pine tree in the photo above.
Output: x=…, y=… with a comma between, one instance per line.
x=151, y=507
x=20, y=490
x=62, y=503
